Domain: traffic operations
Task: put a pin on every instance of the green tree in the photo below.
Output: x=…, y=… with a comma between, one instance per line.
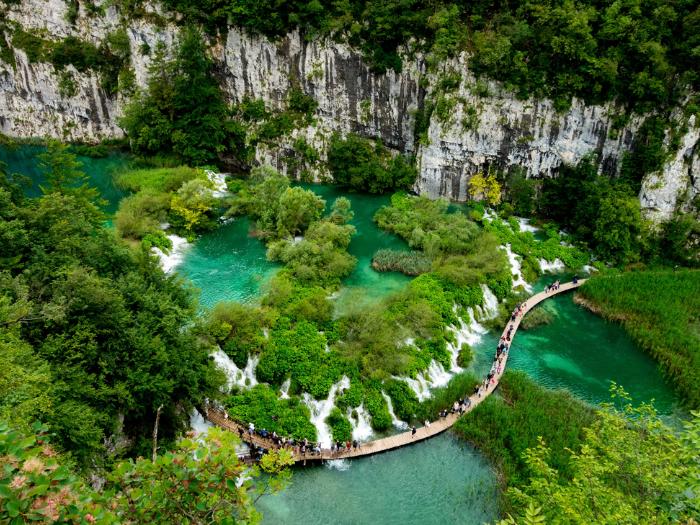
x=298, y=209
x=63, y=172
x=192, y=204
x=630, y=468
x=341, y=212
x=182, y=112
x=618, y=228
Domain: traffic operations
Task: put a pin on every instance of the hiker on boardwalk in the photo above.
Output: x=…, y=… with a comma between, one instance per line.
x=413, y=431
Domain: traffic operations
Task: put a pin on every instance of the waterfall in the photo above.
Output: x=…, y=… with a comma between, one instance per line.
x=171, y=260
x=361, y=427
x=218, y=180
x=554, y=267
x=320, y=410
x=490, y=307
x=284, y=389
x=469, y=333
x=434, y=377
x=401, y=425
x=198, y=424
x=589, y=269
x=235, y=376
x=525, y=225
x=515, y=269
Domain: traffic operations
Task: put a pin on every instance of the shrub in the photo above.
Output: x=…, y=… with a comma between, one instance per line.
x=406, y=262
x=341, y=429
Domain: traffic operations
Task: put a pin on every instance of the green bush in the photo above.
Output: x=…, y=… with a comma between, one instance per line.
x=466, y=355
x=261, y=406
x=141, y=214
x=536, y=317
x=165, y=180
x=340, y=426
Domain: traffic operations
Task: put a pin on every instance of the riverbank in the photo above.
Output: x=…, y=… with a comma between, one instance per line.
x=659, y=309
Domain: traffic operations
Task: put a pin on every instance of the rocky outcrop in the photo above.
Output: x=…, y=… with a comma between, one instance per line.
x=484, y=127
x=678, y=183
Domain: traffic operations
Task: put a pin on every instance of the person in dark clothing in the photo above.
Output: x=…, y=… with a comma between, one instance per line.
x=413, y=431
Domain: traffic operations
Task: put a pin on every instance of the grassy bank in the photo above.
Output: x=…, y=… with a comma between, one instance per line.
x=504, y=427
x=661, y=311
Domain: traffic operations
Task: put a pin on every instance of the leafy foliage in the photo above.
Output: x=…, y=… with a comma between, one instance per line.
x=368, y=166
x=629, y=468
x=407, y=262
x=182, y=112
x=201, y=481
x=111, y=329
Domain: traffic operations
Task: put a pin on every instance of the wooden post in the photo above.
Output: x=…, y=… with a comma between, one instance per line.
x=155, y=434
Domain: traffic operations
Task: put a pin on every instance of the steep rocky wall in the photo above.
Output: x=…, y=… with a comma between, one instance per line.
x=485, y=127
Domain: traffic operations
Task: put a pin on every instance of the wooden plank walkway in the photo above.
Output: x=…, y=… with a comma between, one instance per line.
x=405, y=438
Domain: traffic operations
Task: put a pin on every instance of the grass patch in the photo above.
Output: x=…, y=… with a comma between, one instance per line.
x=660, y=309
x=504, y=427
x=409, y=263
x=158, y=179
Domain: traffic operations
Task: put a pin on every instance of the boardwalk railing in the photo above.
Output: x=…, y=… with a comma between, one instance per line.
x=220, y=418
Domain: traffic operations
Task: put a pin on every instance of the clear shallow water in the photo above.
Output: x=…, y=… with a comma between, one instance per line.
x=440, y=481
x=583, y=353
x=227, y=264
x=23, y=160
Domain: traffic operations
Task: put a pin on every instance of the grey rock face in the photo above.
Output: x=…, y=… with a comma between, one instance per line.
x=480, y=132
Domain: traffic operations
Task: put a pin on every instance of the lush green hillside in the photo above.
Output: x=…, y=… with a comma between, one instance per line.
x=661, y=310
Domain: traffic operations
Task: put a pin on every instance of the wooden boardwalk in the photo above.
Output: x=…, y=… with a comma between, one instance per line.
x=405, y=438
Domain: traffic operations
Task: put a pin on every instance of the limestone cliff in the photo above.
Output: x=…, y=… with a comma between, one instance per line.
x=484, y=125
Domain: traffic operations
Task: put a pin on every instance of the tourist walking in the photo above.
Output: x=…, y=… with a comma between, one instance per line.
x=413, y=431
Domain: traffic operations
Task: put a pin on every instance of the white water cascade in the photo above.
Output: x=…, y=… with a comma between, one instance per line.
x=171, y=260
x=361, y=427
x=515, y=269
x=320, y=410
x=395, y=421
x=489, y=310
x=218, y=180
x=525, y=225
x=235, y=376
x=434, y=377
x=555, y=266
x=198, y=424
x=284, y=389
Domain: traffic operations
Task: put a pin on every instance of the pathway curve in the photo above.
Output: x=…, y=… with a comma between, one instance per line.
x=219, y=418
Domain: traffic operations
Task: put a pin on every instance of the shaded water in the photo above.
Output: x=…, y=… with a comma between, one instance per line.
x=24, y=160
x=440, y=481
x=583, y=353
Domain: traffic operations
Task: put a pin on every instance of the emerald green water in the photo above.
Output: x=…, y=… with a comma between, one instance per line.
x=364, y=284
x=582, y=353
x=440, y=481
x=228, y=264
x=100, y=171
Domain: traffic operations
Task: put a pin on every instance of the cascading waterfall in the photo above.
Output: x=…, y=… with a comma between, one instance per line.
x=218, y=180
x=198, y=424
x=395, y=421
x=320, y=410
x=284, y=389
x=171, y=260
x=555, y=266
x=235, y=376
x=360, y=421
x=489, y=309
x=515, y=269
x=525, y=225
x=434, y=377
